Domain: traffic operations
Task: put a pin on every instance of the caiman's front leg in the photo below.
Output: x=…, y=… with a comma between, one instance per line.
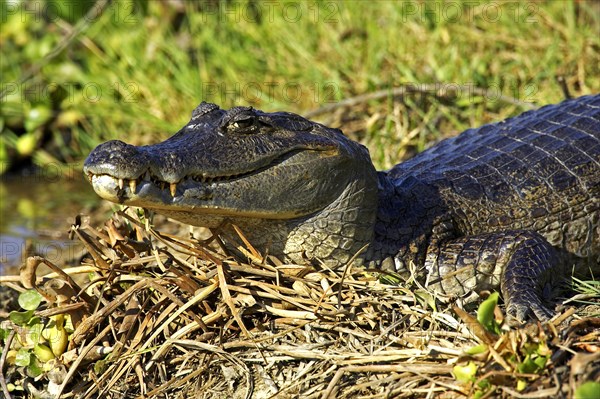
x=522, y=263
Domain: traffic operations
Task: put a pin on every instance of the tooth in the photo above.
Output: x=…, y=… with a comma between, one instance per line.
x=173, y=188
x=132, y=185
x=121, y=184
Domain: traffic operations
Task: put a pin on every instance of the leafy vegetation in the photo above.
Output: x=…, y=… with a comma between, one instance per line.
x=34, y=342
x=524, y=355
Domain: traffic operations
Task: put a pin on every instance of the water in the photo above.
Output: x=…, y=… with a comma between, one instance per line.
x=36, y=213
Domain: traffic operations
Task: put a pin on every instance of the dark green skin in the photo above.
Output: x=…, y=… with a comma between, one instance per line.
x=515, y=204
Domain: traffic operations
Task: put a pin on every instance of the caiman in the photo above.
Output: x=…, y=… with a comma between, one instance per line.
x=513, y=204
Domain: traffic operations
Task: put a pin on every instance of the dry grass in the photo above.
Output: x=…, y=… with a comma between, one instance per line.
x=165, y=316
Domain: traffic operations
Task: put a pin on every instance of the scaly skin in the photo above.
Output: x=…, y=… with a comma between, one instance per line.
x=515, y=204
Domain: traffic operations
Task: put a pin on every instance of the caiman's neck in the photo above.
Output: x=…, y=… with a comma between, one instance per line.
x=331, y=236
x=369, y=212
x=400, y=232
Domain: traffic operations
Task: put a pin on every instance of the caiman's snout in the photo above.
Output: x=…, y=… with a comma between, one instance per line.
x=117, y=159
x=113, y=165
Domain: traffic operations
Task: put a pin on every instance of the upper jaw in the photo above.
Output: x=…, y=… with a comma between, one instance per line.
x=213, y=145
x=204, y=159
x=282, y=190
x=123, y=184
x=207, y=167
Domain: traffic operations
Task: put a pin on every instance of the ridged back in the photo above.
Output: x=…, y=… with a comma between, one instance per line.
x=538, y=171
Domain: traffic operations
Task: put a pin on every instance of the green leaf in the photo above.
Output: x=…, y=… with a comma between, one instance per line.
x=12, y=387
x=35, y=329
x=484, y=385
x=391, y=279
x=478, y=394
x=532, y=364
x=485, y=313
x=20, y=318
x=531, y=348
x=540, y=361
x=35, y=369
x=100, y=366
x=476, y=350
x=23, y=357
x=27, y=208
x=26, y=144
x=465, y=373
x=4, y=161
x=425, y=297
x=527, y=366
x=43, y=352
x=30, y=299
x=588, y=390
x=36, y=117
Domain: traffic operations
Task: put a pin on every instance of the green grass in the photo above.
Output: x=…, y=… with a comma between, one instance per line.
x=137, y=71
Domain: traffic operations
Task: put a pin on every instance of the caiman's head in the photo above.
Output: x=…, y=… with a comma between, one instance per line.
x=264, y=170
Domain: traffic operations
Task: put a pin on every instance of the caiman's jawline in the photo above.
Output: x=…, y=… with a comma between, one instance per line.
x=199, y=178
x=196, y=193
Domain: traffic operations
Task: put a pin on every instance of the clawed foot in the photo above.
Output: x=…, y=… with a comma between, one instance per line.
x=521, y=311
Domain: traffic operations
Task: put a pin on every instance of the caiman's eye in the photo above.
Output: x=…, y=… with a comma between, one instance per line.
x=241, y=120
x=242, y=124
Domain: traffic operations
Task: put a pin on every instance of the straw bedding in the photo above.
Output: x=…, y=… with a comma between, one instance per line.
x=170, y=316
